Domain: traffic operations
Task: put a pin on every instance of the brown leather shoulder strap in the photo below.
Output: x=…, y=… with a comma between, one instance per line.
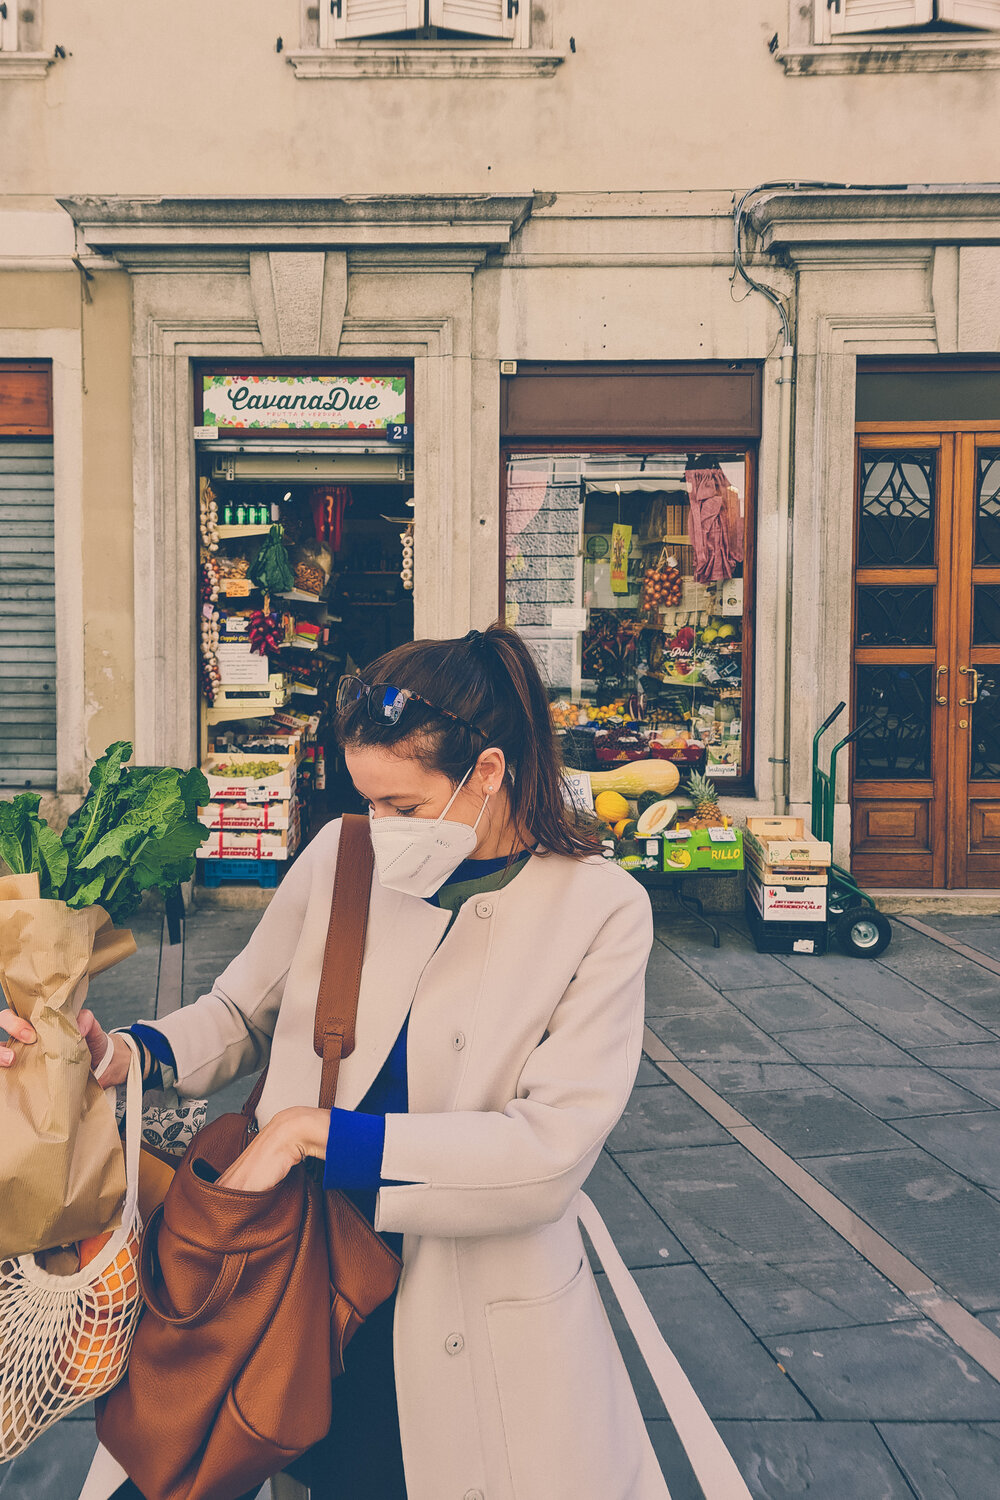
x=340, y=980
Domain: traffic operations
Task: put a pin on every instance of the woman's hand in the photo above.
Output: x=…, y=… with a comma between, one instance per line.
x=17, y=1030
x=93, y=1034
x=291, y=1136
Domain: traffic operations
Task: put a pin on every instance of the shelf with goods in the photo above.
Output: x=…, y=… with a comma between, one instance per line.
x=659, y=671
x=251, y=656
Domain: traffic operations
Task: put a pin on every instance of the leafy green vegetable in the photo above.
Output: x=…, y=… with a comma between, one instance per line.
x=270, y=569
x=137, y=830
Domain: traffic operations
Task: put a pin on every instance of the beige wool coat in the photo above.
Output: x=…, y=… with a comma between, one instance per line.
x=524, y=1039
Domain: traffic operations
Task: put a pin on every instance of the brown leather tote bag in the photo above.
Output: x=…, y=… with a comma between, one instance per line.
x=251, y=1298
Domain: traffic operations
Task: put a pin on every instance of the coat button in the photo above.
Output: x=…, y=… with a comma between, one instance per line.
x=458, y=1040
x=473, y=1495
x=454, y=1343
x=484, y=908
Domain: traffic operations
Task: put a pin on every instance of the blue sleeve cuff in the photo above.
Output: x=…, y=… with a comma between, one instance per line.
x=156, y=1042
x=354, y=1149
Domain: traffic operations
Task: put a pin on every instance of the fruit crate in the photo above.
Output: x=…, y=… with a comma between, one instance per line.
x=217, y=871
x=785, y=937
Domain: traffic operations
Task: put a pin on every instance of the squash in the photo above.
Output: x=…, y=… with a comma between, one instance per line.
x=635, y=777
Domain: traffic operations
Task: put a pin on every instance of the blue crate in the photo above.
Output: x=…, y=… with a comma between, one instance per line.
x=264, y=871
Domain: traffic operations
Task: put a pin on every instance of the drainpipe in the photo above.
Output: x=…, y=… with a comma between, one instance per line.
x=783, y=497
x=782, y=541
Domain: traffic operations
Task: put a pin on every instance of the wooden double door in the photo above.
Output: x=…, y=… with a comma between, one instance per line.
x=925, y=790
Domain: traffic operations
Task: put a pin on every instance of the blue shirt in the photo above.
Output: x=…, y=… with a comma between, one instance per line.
x=356, y=1138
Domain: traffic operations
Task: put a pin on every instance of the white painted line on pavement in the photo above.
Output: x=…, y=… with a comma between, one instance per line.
x=961, y=1326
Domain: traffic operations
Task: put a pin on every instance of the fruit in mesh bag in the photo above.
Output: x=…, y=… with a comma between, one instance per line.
x=94, y=1352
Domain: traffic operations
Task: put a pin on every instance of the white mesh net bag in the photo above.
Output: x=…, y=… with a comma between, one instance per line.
x=65, y=1339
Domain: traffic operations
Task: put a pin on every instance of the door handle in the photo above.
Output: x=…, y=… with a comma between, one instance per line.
x=938, y=697
x=971, y=672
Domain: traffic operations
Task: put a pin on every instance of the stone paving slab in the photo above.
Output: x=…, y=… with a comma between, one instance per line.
x=946, y=1460
x=965, y=1055
x=731, y=1370
x=735, y=965
x=790, y=1297
x=723, y=1205
x=741, y=1077
x=947, y=1226
x=127, y=992
x=822, y=1460
x=984, y=1083
x=893, y=1006
x=970, y=1143
x=55, y=1465
x=648, y=1074
x=816, y=1121
x=976, y=932
x=673, y=987
x=789, y=1007
x=720, y=1034
x=842, y=1044
x=895, y=1093
x=640, y=1234
x=893, y=1372
x=964, y=986
x=664, y=1116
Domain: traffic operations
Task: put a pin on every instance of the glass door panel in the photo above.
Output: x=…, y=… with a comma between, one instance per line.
x=900, y=614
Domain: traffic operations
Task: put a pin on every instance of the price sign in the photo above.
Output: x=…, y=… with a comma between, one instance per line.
x=722, y=835
x=237, y=588
x=257, y=794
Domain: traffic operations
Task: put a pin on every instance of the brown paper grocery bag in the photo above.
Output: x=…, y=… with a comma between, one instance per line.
x=63, y=1174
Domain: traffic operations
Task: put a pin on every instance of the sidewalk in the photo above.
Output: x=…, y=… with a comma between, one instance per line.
x=778, y=1097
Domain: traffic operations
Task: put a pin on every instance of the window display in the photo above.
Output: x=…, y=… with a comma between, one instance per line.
x=626, y=573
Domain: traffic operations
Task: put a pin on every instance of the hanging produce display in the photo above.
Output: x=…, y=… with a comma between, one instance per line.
x=270, y=569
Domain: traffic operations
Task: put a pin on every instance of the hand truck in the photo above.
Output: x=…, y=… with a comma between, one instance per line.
x=859, y=927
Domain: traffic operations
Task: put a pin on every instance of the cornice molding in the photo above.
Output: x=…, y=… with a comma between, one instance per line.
x=413, y=62
x=17, y=65
x=890, y=54
x=160, y=233
x=803, y=222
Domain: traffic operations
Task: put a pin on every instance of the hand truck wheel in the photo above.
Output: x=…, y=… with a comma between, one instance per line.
x=863, y=932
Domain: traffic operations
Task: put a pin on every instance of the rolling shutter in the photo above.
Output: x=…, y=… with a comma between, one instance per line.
x=27, y=614
x=877, y=15
x=983, y=13
x=361, y=18
x=476, y=17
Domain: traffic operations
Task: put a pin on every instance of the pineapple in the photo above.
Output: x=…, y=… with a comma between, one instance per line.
x=707, y=813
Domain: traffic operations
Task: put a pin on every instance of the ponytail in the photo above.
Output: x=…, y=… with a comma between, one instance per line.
x=489, y=679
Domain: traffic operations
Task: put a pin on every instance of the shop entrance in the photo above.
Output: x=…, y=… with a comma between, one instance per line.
x=305, y=503
x=926, y=775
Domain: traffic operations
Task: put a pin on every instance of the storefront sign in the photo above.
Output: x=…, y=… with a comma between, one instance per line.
x=282, y=403
x=621, y=542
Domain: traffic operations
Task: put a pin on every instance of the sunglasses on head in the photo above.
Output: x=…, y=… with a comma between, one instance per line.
x=386, y=703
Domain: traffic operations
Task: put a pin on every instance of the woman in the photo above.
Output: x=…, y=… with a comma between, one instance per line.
x=498, y=1036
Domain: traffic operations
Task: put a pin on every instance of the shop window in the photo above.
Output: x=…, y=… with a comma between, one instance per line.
x=630, y=575
x=424, y=20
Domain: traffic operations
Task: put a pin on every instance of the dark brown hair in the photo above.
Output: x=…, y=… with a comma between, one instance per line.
x=490, y=679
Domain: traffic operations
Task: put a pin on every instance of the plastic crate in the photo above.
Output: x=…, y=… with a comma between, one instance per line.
x=785, y=937
x=264, y=871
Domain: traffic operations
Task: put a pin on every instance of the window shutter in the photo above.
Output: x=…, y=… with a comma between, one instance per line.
x=984, y=13
x=498, y=18
x=877, y=15
x=8, y=26
x=361, y=18
x=27, y=615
